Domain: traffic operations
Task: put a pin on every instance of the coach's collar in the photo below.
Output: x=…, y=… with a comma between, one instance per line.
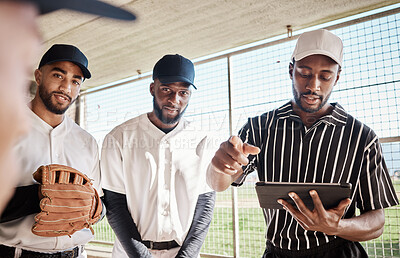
x=337, y=117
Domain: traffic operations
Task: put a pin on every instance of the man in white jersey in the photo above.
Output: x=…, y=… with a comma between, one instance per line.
x=19, y=49
x=154, y=172
x=54, y=138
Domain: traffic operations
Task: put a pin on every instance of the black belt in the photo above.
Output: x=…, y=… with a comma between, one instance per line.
x=327, y=247
x=9, y=252
x=160, y=245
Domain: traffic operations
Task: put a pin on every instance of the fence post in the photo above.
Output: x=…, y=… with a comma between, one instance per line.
x=235, y=218
x=235, y=215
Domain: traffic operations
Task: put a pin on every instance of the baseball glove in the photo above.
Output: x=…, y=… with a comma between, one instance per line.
x=69, y=203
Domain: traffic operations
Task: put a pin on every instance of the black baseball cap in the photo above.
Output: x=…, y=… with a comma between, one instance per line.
x=86, y=6
x=62, y=52
x=174, y=68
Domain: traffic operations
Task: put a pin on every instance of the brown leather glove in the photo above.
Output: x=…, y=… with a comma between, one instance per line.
x=69, y=203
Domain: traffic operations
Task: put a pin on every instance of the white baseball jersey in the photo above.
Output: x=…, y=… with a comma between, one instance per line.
x=67, y=144
x=161, y=175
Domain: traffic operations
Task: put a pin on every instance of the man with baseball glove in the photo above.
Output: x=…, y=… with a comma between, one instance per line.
x=57, y=201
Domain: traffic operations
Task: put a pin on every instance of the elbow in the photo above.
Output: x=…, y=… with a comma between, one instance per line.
x=216, y=187
x=377, y=230
x=209, y=180
x=375, y=234
x=379, y=227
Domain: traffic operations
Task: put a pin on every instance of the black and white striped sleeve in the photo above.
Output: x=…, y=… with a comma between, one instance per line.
x=376, y=190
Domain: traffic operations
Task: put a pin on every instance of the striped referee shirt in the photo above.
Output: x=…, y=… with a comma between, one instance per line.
x=336, y=148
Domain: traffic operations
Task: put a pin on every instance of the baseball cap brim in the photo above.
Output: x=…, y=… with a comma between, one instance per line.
x=305, y=54
x=172, y=79
x=86, y=6
x=86, y=73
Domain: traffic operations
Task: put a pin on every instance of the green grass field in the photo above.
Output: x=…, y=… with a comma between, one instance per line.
x=252, y=228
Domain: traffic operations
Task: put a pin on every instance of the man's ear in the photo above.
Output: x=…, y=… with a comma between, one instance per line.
x=38, y=76
x=291, y=70
x=338, y=75
x=152, y=85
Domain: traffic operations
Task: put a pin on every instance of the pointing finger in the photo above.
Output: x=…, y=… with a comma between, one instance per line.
x=236, y=142
x=245, y=148
x=250, y=149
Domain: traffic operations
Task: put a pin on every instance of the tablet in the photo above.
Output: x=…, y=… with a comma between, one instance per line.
x=330, y=193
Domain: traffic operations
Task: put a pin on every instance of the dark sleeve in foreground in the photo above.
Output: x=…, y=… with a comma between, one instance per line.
x=24, y=202
x=124, y=227
x=103, y=211
x=198, y=230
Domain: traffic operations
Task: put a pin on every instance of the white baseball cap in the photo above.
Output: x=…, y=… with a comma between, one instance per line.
x=319, y=42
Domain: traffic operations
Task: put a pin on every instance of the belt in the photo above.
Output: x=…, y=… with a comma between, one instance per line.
x=9, y=252
x=160, y=245
x=315, y=251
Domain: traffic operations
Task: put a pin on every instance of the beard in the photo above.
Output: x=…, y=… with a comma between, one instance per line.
x=297, y=99
x=47, y=101
x=164, y=119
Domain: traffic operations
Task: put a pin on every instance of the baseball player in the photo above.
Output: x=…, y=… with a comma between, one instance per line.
x=153, y=172
x=53, y=139
x=19, y=49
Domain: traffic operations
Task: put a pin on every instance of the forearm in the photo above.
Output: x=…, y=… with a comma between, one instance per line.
x=123, y=225
x=24, y=202
x=198, y=230
x=365, y=227
x=103, y=211
x=219, y=181
x=9, y=175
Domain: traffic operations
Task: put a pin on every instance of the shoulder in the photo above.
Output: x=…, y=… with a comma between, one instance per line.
x=261, y=121
x=197, y=133
x=190, y=131
x=354, y=123
x=282, y=112
x=130, y=125
x=122, y=133
x=196, y=128
x=362, y=130
x=81, y=134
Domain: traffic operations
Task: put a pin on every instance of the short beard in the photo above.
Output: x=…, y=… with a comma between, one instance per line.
x=297, y=99
x=46, y=99
x=164, y=119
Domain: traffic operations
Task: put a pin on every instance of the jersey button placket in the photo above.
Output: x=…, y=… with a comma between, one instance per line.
x=163, y=189
x=54, y=146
